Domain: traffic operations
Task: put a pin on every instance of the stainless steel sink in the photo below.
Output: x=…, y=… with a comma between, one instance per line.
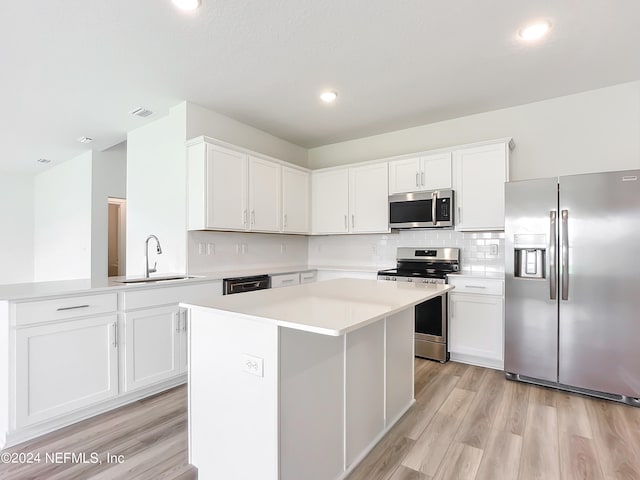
x=156, y=279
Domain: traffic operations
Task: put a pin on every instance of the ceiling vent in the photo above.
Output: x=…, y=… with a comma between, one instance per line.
x=141, y=112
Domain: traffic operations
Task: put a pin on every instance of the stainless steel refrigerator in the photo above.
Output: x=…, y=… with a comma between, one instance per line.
x=572, y=271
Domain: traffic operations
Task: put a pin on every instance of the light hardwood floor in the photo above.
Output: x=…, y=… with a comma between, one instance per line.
x=471, y=423
x=467, y=423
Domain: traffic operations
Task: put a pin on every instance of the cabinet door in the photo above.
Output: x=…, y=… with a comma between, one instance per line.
x=226, y=189
x=330, y=201
x=476, y=327
x=295, y=200
x=480, y=176
x=152, y=346
x=404, y=175
x=436, y=172
x=369, y=199
x=64, y=367
x=264, y=195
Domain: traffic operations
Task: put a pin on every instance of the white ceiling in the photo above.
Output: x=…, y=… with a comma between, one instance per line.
x=76, y=67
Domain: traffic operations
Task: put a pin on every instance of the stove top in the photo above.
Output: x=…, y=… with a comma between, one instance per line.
x=425, y=265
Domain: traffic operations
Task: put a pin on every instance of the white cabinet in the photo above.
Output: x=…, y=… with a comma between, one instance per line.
x=154, y=339
x=295, y=200
x=426, y=172
x=309, y=276
x=64, y=366
x=480, y=173
x=476, y=321
x=285, y=280
x=264, y=195
x=350, y=200
x=330, y=201
x=236, y=191
x=217, y=188
x=369, y=199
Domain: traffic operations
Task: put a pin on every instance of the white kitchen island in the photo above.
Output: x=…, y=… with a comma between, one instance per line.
x=299, y=382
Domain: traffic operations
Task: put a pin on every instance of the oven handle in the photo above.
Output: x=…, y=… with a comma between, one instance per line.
x=434, y=198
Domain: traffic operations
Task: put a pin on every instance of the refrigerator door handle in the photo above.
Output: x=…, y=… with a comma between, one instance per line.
x=565, y=255
x=553, y=266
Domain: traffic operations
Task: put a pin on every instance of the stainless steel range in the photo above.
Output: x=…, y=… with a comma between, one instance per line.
x=427, y=265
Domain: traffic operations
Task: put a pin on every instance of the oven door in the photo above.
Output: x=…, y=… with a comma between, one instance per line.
x=431, y=320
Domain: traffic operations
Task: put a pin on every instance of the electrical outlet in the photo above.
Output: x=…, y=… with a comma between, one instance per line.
x=283, y=248
x=245, y=248
x=253, y=365
x=493, y=249
x=211, y=248
x=201, y=248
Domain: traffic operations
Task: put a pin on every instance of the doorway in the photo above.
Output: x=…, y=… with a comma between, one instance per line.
x=117, y=237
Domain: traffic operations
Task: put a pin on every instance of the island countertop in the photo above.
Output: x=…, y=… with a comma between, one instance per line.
x=332, y=307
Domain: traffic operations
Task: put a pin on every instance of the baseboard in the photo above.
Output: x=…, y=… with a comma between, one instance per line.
x=477, y=361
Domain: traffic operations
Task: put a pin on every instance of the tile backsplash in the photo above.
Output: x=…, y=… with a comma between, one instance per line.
x=480, y=251
x=220, y=251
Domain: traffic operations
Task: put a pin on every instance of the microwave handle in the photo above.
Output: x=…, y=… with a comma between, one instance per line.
x=434, y=198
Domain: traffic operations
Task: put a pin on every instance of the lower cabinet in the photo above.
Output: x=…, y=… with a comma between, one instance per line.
x=476, y=326
x=65, y=366
x=155, y=344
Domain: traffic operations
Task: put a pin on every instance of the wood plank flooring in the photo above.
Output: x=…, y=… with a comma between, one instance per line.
x=471, y=423
x=467, y=423
x=151, y=434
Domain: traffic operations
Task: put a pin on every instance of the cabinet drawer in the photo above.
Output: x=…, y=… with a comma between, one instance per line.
x=28, y=313
x=169, y=295
x=285, y=280
x=308, y=277
x=480, y=286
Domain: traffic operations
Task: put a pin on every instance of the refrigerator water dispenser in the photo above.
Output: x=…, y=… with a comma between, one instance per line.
x=530, y=251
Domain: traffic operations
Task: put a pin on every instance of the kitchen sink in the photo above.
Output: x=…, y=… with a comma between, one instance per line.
x=156, y=279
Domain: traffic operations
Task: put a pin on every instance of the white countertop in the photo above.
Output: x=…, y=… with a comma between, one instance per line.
x=333, y=307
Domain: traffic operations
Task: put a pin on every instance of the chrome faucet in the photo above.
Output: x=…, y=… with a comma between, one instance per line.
x=146, y=255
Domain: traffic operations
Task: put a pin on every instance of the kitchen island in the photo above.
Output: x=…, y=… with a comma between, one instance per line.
x=299, y=382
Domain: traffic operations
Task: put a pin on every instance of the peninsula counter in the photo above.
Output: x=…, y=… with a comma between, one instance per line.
x=299, y=382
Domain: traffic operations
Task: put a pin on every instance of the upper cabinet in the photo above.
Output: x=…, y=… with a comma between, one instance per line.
x=350, y=200
x=264, y=195
x=295, y=200
x=232, y=190
x=479, y=176
x=427, y=172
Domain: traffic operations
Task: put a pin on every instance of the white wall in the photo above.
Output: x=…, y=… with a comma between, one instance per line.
x=16, y=217
x=62, y=221
x=598, y=130
x=201, y=121
x=109, y=179
x=237, y=251
x=156, y=193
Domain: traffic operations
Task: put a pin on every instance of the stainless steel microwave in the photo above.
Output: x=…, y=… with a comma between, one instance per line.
x=422, y=209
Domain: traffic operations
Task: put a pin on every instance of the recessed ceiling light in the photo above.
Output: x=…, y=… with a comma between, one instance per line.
x=43, y=160
x=535, y=31
x=85, y=139
x=187, y=4
x=329, y=96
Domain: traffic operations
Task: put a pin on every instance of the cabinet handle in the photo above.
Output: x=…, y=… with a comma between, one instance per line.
x=115, y=334
x=346, y=225
x=353, y=220
x=253, y=217
x=288, y=280
x=417, y=179
x=474, y=286
x=178, y=319
x=184, y=321
x=459, y=215
x=422, y=177
x=61, y=309
x=285, y=220
x=244, y=217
